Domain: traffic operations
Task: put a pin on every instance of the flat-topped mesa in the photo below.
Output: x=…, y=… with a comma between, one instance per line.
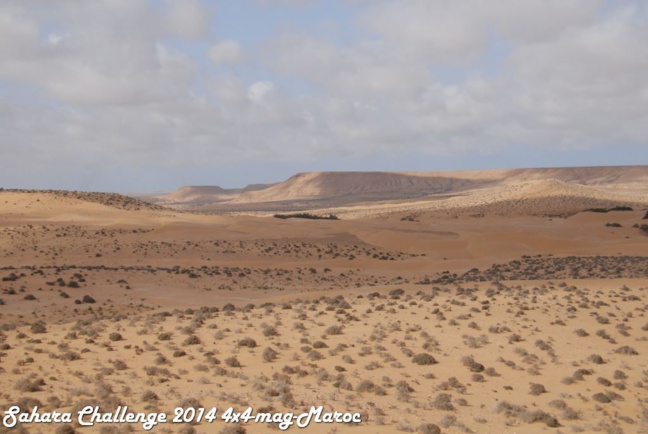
x=361, y=185
x=334, y=190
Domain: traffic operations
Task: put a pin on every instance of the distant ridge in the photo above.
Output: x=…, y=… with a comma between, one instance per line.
x=113, y=200
x=360, y=186
x=196, y=195
x=331, y=190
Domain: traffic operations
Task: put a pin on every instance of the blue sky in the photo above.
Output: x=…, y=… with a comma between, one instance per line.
x=151, y=95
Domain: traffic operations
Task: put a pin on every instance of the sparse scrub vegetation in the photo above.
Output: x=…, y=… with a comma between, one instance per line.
x=293, y=339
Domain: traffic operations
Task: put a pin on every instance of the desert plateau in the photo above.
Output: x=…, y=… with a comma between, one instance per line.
x=502, y=301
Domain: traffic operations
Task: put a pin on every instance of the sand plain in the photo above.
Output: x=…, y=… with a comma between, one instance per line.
x=485, y=317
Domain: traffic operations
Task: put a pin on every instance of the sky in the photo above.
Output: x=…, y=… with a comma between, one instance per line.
x=152, y=95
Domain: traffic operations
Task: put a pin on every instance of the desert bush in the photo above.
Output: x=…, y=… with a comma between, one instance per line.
x=120, y=365
x=513, y=338
x=620, y=375
x=247, y=342
x=28, y=403
x=38, y=327
x=233, y=362
x=114, y=336
x=536, y=389
x=558, y=404
x=315, y=355
x=570, y=414
x=236, y=429
x=602, y=398
x=192, y=340
x=65, y=428
x=403, y=391
x=201, y=368
x=269, y=355
x=26, y=385
x=149, y=396
x=370, y=386
x=443, y=401
x=305, y=215
x=187, y=429
x=568, y=380
x=470, y=363
x=540, y=416
x=54, y=401
x=161, y=359
x=614, y=396
x=189, y=403
x=579, y=374
x=603, y=381
x=428, y=428
x=424, y=359
x=270, y=331
x=596, y=359
x=334, y=330
x=626, y=350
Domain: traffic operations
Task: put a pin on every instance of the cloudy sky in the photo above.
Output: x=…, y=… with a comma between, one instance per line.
x=150, y=95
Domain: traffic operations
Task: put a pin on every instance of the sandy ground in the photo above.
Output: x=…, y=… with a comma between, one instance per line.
x=521, y=324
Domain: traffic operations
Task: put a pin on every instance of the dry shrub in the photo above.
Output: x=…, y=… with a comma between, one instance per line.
x=192, y=340
x=424, y=359
x=602, y=398
x=443, y=401
x=247, y=342
x=470, y=363
x=149, y=396
x=626, y=350
x=269, y=355
x=334, y=330
x=236, y=429
x=428, y=428
x=596, y=359
x=26, y=385
x=233, y=362
x=536, y=389
x=370, y=386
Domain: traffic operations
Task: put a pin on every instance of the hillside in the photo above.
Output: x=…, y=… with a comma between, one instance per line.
x=592, y=186
x=112, y=200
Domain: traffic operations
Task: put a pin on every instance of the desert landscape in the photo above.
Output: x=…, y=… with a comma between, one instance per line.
x=502, y=301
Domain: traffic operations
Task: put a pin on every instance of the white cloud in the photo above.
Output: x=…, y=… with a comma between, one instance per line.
x=187, y=18
x=260, y=91
x=105, y=82
x=110, y=54
x=227, y=51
